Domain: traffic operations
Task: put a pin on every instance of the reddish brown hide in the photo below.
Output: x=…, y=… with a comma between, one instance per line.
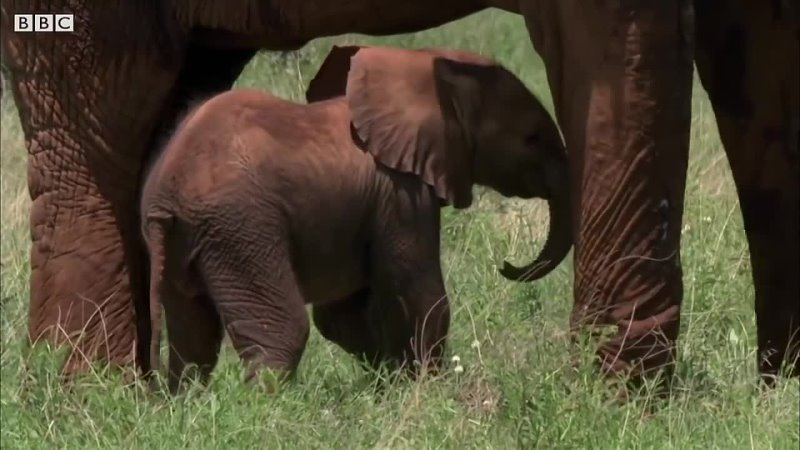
x=93, y=104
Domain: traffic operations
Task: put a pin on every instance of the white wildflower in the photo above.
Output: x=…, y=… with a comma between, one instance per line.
x=475, y=344
x=455, y=359
x=458, y=369
x=733, y=337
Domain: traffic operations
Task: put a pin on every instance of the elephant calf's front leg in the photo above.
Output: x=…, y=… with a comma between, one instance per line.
x=412, y=321
x=409, y=299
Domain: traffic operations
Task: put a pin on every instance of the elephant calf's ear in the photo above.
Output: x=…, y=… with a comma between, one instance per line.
x=396, y=112
x=331, y=78
x=459, y=86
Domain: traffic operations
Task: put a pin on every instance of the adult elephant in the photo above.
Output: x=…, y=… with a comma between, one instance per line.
x=94, y=103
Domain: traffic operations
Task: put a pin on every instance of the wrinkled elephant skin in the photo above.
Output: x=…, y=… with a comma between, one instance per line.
x=620, y=74
x=622, y=84
x=95, y=103
x=621, y=77
x=259, y=206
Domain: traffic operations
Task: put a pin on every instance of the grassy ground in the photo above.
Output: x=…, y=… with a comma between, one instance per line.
x=517, y=389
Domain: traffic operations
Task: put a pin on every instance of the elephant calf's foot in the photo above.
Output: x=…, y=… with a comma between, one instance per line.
x=270, y=359
x=269, y=376
x=185, y=376
x=426, y=366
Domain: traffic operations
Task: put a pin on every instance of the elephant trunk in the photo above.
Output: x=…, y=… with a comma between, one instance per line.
x=559, y=238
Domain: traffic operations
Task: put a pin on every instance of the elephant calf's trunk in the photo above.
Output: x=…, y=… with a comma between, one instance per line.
x=556, y=247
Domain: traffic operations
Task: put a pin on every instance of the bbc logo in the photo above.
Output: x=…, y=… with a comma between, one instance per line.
x=43, y=23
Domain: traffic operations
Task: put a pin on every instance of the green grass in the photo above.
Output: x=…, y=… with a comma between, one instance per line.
x=517, y=390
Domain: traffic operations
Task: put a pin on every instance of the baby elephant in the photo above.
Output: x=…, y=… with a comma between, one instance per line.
x=259, y=206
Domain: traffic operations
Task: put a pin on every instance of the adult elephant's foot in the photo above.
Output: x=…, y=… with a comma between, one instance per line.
x=88, y=268
x=747, y=61
x=83, y=279
x=621, y=78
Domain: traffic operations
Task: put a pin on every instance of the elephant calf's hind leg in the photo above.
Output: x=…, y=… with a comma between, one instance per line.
x=195, y=336
x=259, y=301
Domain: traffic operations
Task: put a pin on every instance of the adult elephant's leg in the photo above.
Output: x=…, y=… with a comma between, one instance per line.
x=86, y=120
x=89, y=120
x=206, y=71
x=621, y=76
x=747, y=57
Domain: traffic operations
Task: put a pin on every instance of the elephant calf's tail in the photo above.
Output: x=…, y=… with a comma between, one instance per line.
x=155, y=234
